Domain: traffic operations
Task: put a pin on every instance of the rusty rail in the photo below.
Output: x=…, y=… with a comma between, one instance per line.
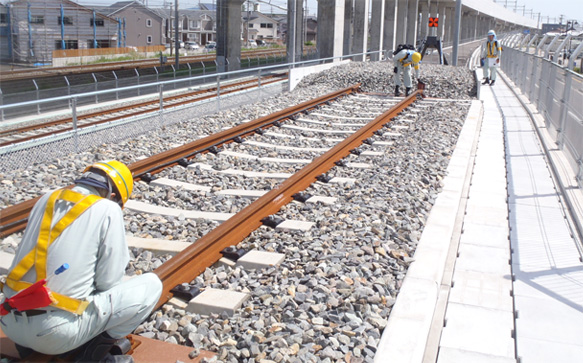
x=203, y=253
x=30, y=73
x=153, y=106
x=14, y=218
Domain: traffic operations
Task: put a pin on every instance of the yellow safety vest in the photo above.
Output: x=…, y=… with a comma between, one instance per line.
x=37, y=257
x=491, y=46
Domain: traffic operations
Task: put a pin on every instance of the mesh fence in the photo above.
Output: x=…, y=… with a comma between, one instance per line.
x=84, y=139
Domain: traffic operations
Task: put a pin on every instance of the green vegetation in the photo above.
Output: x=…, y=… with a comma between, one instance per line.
x=128, y=57
x=309, y=43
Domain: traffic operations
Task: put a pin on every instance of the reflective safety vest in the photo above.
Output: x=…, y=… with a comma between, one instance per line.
x=492, y=49
x=37, y=257
x=404, y=61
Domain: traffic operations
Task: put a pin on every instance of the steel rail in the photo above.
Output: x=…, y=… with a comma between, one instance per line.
x=154, y=106
x=203, y=253
x=14, y=218
x=155, y=164
x=19, y=75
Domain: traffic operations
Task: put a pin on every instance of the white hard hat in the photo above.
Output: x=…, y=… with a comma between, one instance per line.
x=491, y=32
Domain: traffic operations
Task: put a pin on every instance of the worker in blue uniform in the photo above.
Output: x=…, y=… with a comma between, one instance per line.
x=491, y=58
x=93, y=306
x=403, y=61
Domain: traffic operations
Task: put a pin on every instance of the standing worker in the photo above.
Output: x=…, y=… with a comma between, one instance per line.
x=491, y=58
x=92, y=306
x=403, y=61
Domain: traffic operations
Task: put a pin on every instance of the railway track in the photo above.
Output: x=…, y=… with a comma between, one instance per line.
x=102, y=67
x=304, y=121
x=13, y=136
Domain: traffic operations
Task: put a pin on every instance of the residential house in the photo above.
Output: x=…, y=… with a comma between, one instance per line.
x=258, y=26
x=199, y=26
x=309, y=29
x=143, y=26
x=33, y=29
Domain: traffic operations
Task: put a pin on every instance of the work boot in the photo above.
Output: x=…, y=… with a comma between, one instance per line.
x=492, y=83
x=407, y=90
x=96, y=349
x=23, y=351
x=117, y=359
x=486, y=81
x=397, y=92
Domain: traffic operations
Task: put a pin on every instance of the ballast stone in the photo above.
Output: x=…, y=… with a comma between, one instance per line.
x=216, y=301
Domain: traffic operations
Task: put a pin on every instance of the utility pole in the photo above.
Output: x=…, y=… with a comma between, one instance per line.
x=176, y=44
x=456, y=31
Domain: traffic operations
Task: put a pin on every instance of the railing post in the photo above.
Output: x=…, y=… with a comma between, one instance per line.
x=37, y=97
x=174, y=72
x=189, y=74
x=116, y=85
x=161, y=91
x=259, y=83
x=564, y=109
x=535, y=60
x=138, y=80
x=95, y=80
x=203, y=68
x=218, y=92
x=68, y=85
x=157, y=74
x=74, y=115
x=1, y=103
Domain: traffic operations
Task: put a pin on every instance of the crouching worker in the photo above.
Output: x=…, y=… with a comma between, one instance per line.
x=90, y=305
x=403, y=61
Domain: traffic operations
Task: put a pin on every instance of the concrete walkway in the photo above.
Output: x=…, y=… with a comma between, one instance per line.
x=497, y=276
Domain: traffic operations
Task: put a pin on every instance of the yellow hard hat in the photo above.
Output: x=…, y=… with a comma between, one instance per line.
x=120, y=176
x=416, y=57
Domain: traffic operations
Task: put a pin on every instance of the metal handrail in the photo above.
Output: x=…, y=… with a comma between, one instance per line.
x=173, y=82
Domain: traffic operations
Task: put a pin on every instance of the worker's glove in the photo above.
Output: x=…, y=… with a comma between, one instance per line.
x=396, y=70
x=482, y=60
x=497, y=60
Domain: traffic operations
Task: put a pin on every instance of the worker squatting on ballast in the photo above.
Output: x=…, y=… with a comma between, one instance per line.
x=91, y=307
x=403, y=61
x=491, y=58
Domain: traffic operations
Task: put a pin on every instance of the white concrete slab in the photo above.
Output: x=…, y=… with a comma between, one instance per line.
x=158, y=246
x=341, y=180
x=216, y=301
x=478, y=329
x=322, y=131
x=295, y=225
x=5, y=262
x=372, y=153
x=285, y=147
x=260, y=259
x=285, y=161
x=452, y=355
x=359, y=165
x=178, y=184
x=483, y=259
x=321, y=199
x=484, y=235
x=248, y=174
x=242, y=193
x=142, y=207
x=237, y=155
x=482, y=289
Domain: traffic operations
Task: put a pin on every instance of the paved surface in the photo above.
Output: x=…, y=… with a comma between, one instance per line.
x=497, y=275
